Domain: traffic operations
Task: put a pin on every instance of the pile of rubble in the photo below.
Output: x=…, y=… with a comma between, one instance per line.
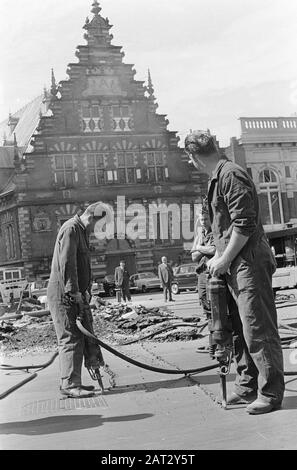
x=115, y=323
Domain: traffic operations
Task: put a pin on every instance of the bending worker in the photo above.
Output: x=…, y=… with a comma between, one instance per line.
x=244, y=257
x=69, y=288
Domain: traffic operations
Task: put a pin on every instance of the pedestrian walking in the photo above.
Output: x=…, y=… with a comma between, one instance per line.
x=244, y=258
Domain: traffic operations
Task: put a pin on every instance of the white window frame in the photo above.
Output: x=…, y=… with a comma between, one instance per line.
x=269, y=188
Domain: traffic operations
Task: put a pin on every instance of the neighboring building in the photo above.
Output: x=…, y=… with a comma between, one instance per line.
x=267, y=148
x=95, y=136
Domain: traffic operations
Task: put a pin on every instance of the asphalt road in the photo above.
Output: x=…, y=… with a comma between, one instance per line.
x=146, y=410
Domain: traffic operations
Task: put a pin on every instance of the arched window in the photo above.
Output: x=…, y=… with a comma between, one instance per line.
x=270, y=198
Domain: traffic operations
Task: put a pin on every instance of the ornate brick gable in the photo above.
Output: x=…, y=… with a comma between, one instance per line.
x=101, y=96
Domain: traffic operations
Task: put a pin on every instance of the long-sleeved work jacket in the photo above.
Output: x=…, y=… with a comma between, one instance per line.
x=71, y=266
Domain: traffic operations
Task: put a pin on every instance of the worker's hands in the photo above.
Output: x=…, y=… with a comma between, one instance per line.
x=87, y=297
x=218, y=266
x=196, y=256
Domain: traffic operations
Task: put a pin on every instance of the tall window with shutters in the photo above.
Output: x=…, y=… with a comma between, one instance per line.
x=126, y=167
x=96, y=168
x=64, y=171
x=270, y=198
x=156, y=169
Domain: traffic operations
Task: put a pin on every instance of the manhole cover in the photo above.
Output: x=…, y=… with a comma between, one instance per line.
x=63, y=404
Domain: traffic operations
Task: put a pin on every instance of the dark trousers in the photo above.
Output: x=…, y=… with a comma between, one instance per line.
x=73, y=346
x=258, y=352
x=167, y=291
x=125, y=292
x=202, y=293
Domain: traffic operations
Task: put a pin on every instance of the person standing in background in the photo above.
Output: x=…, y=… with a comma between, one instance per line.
x=122, y=280
x=203, y=249
x=165, y=274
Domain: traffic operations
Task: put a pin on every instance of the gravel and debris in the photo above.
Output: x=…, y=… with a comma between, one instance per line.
x=114, y=323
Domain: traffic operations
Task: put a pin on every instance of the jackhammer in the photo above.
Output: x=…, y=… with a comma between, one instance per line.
x=220, y=330
x=93, y=358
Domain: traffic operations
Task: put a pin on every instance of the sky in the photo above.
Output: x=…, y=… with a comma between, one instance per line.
x=211, y=61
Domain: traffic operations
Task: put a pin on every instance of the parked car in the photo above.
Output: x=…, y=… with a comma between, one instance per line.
x=144, y=282
x=185, y=278
x=38, y=288
x=97, y=288
x=109, y=285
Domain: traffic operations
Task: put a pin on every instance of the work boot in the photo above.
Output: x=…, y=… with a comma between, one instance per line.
x=260, y=406
x=236, y=399
x=88, y=388
x=76, y=392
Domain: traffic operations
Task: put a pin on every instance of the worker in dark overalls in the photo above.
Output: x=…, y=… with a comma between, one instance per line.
x=244, y=257
x=68, y=291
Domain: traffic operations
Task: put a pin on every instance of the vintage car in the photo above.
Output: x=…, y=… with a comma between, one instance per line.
x=185, y=278
x=144, y=282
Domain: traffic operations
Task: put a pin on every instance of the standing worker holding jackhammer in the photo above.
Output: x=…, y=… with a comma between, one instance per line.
x=68, y=297
x=243, y=257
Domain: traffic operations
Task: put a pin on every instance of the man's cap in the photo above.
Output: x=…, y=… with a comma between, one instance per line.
x=200, y=142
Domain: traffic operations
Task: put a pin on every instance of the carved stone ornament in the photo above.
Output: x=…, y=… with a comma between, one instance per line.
x=103, y=86
x=41, y=222
x=100, y=70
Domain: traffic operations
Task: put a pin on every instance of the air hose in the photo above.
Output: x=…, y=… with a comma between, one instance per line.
x=27, y=379
x=110, y=349
x=140, y=364
x=18, y=385
x=39, y=366
x=285, y=341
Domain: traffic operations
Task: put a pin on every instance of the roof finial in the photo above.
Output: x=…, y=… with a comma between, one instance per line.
x=54, y=88
x=150, y=87
x=96, y=8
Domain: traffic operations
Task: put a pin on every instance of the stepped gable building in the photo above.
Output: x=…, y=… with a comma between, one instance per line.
x=94, y=137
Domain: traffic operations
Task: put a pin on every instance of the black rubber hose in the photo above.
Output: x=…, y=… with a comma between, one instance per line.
x=140, y=364
x=18, y=385
x=40, y=366
x=31, y=376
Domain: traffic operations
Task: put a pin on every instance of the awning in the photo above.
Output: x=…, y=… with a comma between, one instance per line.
x=286, y=232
